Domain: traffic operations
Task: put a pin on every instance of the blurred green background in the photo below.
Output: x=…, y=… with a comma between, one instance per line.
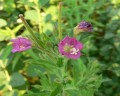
x=105, y=47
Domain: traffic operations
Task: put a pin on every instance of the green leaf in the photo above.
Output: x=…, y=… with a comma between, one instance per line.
x=60, y=62
x=48, y=28
x=32, y=54
x=2, y=22
x=2, y=77
x=31, y=70
x=6, y=52
x=17, y=28
x=78, y=68
x=31, y=15
x=86, y=92
x=16, y=60
x=17, y=80
x=37, y=94
x=43, y=64
x=56, y=90
x=11, y=93
x=5, y=34
x=9, y=5
x=43, y=2
x=108, y=35
x=73, y=92
x=44, y=80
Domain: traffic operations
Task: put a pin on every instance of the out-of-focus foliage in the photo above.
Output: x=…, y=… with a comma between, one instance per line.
x=105, y=48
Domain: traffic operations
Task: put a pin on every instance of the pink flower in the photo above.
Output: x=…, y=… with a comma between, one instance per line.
x=70, y=47
x=20, y=44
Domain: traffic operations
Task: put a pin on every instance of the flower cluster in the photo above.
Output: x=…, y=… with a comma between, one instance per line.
x=69, y=46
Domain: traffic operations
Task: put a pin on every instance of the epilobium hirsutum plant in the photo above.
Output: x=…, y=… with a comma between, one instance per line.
x=62, y=71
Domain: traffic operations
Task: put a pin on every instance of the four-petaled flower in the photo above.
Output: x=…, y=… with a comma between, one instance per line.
x=20, y=44
x=70, y=47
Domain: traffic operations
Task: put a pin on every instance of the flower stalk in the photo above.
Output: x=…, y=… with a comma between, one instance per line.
x=6, y=74
x=74, y=32
x=38, y=9
x=31, y=32
x=59, y=20
x=27, y=26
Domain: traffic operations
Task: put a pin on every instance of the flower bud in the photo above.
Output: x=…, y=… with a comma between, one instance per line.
x=83, y=27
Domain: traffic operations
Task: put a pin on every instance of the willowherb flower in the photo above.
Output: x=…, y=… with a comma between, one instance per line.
x=83, y=26
x=20, y=44
x=70, y=47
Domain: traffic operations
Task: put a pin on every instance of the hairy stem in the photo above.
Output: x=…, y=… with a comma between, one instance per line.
x=59, y=20
x=38, y=9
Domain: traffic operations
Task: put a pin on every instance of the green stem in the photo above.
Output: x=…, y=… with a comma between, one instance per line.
x=27, y=26
x=35, y=38
x=30, y=30
x=75, y=32
x=6, y=74
x=38, y=9
x=64, y=70
x=59, y=20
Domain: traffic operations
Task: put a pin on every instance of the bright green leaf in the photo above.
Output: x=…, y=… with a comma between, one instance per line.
x=31, y=15
x=2, y=22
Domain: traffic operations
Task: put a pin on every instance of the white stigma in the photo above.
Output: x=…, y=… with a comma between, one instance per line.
x=74, y=51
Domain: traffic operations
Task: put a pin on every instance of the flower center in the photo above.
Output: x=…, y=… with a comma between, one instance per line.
x=21, y=46
x=67, y=48
x=74, y=51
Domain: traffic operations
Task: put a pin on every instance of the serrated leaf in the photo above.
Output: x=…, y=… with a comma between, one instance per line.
x=44, y=80
x=73, y=92
x=56, y=90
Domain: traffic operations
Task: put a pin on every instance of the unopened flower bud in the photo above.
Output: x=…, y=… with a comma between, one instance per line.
x=83, y=27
